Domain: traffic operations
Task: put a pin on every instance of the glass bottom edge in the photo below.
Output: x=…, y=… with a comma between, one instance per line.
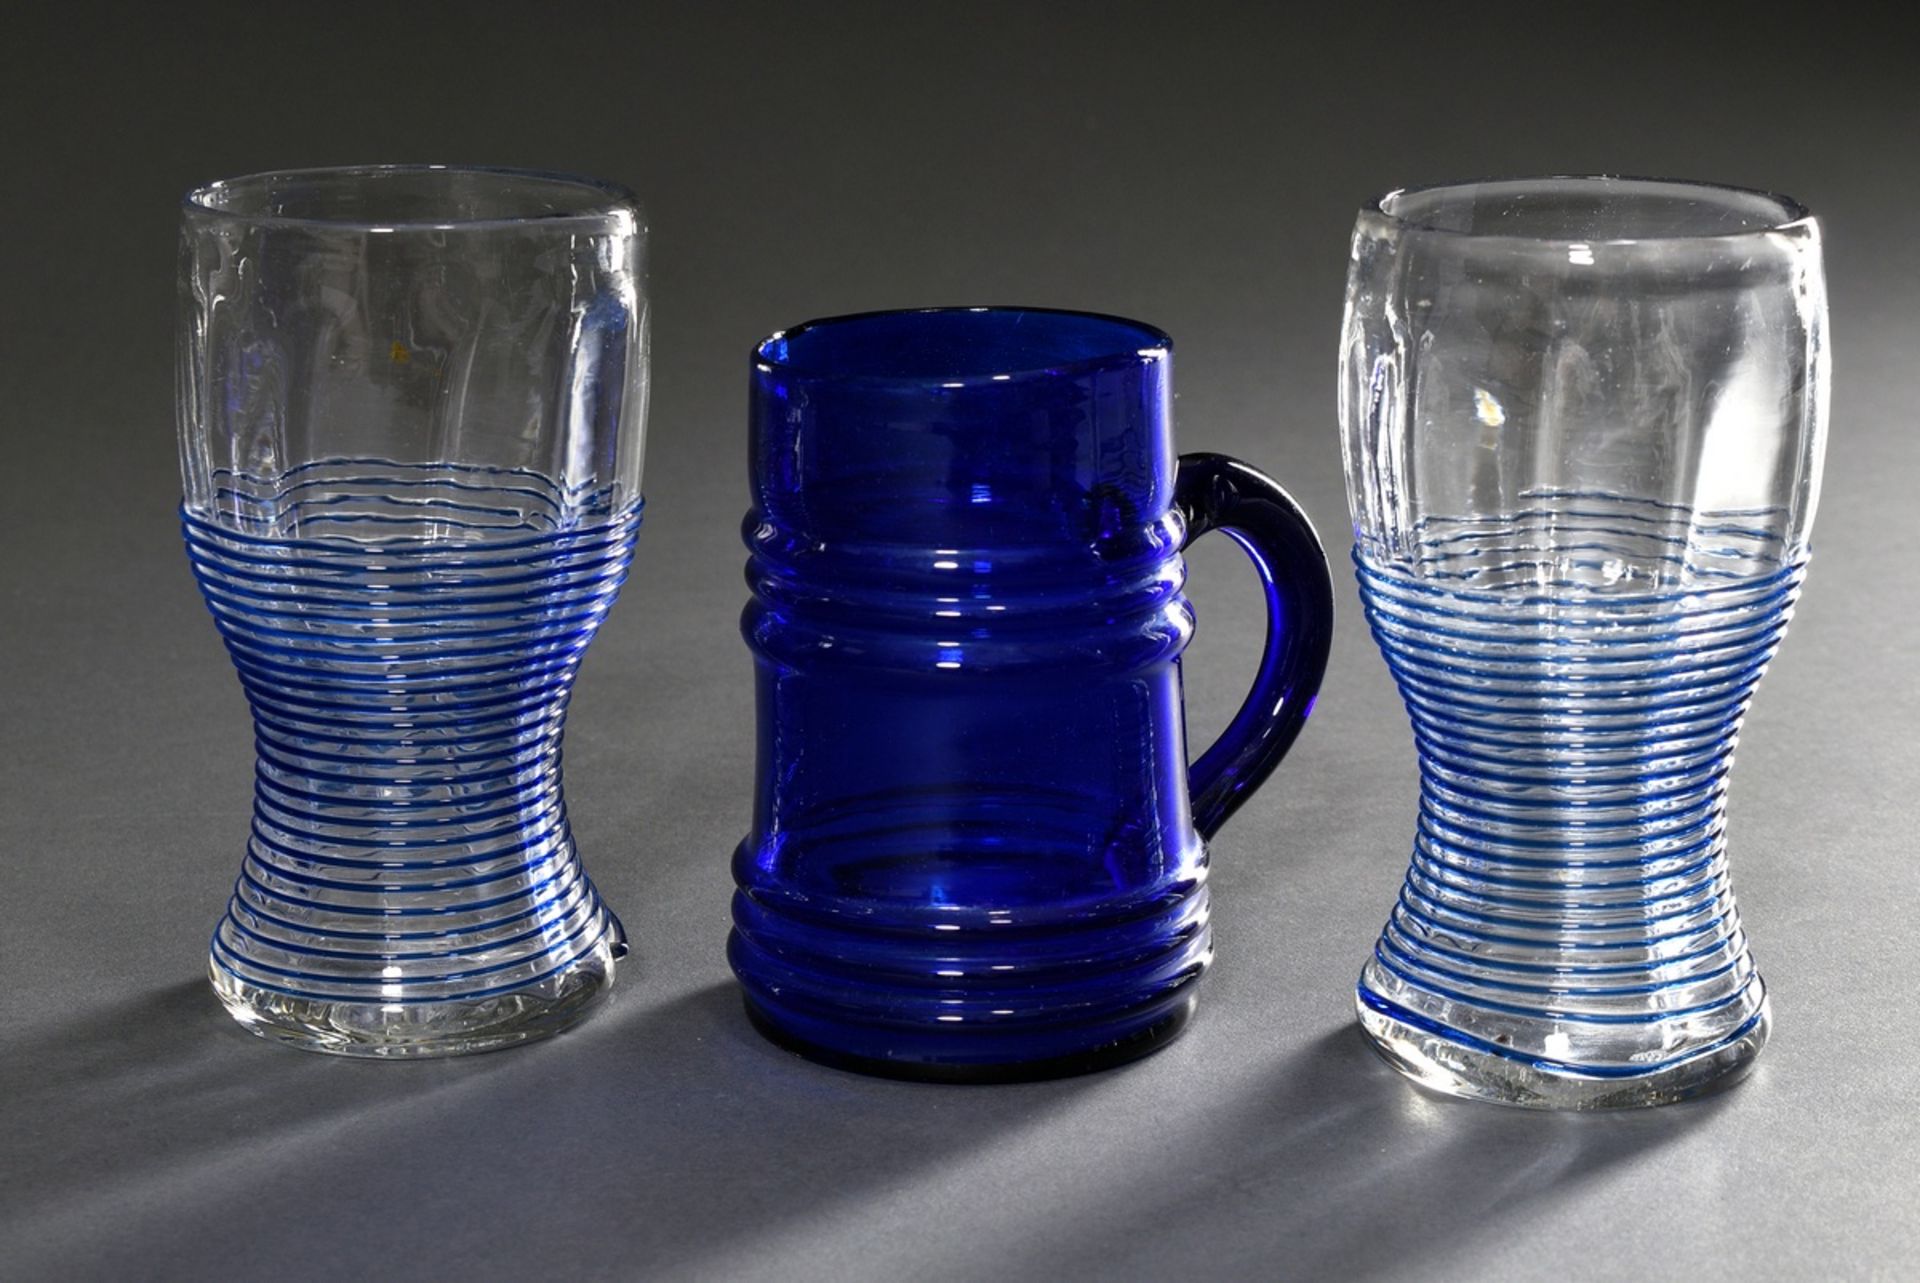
x=419, y=1031
x=1455, y=1068
x=1129, y=1047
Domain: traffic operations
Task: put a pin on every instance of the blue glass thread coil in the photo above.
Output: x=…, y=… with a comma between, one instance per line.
x=407, y=638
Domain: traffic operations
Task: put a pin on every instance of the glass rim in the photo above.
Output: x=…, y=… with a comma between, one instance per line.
x=612, y=203
x=1152, y=344
x=1793, y=216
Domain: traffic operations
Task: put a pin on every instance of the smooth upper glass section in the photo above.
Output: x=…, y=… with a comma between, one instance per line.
x=1531, y=353
x=959, y=344
x=475, y=327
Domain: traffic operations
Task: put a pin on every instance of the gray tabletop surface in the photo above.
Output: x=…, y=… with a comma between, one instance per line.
x=1196, y=167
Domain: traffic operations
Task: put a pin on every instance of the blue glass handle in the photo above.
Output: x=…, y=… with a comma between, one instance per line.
x=1214, y=492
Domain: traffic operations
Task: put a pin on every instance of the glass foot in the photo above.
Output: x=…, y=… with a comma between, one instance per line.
x=1120, y=1051
x=417, y=1030
x=1458, y=1065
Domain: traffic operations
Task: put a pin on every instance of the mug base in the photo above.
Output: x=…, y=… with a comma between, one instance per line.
x=1130, y=1047
x=1453, y=1067
x=380, y=1031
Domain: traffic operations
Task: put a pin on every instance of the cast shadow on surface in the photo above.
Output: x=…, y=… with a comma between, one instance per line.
x=159, y=1086
x=666, y=1136
x=658, y=1137
x=1334, y=1166
x=681, y=1143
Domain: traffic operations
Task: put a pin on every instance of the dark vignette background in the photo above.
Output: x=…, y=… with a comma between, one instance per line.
x=1193, y=166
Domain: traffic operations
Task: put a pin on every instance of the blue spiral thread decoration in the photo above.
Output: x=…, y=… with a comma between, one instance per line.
x=1576, y=676
x=407, y=636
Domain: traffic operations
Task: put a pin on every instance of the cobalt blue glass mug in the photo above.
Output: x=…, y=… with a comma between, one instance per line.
x=978, y=851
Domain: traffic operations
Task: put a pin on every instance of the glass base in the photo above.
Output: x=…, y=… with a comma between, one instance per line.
x=1452, y=1067
x=418, y=1030
x=1134, y=1046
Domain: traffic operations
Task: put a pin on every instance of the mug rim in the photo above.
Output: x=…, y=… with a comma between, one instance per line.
x=1792, y=216
x=1153, y=344
x=612, y=208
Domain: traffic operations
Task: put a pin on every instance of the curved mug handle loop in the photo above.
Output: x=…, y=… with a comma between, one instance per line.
x=1216, y=492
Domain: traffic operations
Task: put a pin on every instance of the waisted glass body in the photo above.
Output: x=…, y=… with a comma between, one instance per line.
x=1584, y=421
x=974, y=851
x=410, y=425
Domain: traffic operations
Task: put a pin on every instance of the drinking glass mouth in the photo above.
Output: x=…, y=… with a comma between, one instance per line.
x=393, y=198
x=960, y=346
x=1595, y=209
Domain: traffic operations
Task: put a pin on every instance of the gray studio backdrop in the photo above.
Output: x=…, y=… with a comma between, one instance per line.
x=1195, y=167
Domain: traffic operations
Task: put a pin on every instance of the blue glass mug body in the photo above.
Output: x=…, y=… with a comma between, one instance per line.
x=977, y=848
